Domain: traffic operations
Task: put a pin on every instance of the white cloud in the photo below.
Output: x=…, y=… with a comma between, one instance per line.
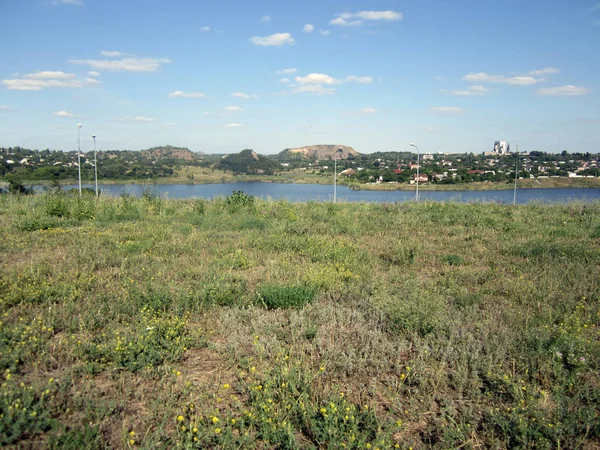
x=446, y=110
x=564, y=91
x=344, y=23
x=67, y=2
x=373, y=15
x=287, y=71
x=542, y=72
x=317, y=78
x=129, y=64
x=308, y=28
x=38, y=85
x=233, y=108
x=63, y=114
x=346, y=19
x=315, y=89
x=180, y=94
x=325, y=32
x=362, y=80
x=111, y=54
x=266, y=19
x=471, y=91
x=91, y=81
x=361, y=112
x=483, y=77
x=284, y=80
x=276, y=39
x=93, y=73
x=368, y=110
x=139, y=119
x=5, y=108
x=234, y=125
x=205, y=29
x=50, y=74
x=242, y=95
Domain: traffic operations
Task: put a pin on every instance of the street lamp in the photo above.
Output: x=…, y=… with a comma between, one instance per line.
x=79, y=157
x=412, y=144
x=95, y=165
x=339, y=150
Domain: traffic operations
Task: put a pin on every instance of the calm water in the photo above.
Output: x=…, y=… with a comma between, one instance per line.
x=319, y=192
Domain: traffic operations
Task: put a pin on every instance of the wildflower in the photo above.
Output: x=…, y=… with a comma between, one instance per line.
x=180, y=418
x=217, y=430
x=323, y=410
x=132, y=433
x=215, y=419
x=322, y=369
x=226, y=386
x=131, y=441
x=194, y=430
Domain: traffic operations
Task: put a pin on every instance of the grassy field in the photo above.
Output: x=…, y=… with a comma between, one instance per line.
x=240, y=323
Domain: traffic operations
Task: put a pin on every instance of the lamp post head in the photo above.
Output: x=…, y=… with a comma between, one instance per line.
x=79, y=125
x=93, y=136
x=412, y=144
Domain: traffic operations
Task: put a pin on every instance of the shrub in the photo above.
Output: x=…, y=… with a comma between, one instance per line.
x=453, y=260
x=283, y=297
x=240, y=198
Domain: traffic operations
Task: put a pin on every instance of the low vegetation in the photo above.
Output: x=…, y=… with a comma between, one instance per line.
x=242, y=323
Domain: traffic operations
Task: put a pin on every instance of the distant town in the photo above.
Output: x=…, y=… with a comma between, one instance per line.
x=165, y=162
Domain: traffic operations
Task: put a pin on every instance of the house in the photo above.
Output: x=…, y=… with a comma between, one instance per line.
x=414, y=166
x=348, y=172
x=475, y=172
x=422, y=178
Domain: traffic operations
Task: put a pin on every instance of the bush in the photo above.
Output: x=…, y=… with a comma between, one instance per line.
x=240, y=198
x=453, y=260
x=283, y=297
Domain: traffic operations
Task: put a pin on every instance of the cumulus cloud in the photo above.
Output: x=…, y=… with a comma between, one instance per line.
x=93, y=73
x=266, y=19
x=362, y=80
x=5, y=108
x=317, y=78
x=308, y=28
x=205, y=29
x=357, y=19
x=63, y=114
x=138, y=119
x=50, y=74
x=324, y=32
x=39, y=84
x=446, y=110
x=234, y=125
x=286, y=71
x=111, y=54
x=128, y=64
x=277, y=39
x=564, y=91
x=91, y=81
x=368, y=110
x=284, y=80
x=181, y=94
x=471, y=91
x=483, y=77
x=233, y=109
x=243, y=95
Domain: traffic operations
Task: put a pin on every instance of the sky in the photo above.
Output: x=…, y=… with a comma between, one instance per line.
x=219, y=77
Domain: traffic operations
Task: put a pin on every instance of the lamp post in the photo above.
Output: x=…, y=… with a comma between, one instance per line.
x=412, y=144
x=95, y=165
x=516, y=174
x=79, y=157
x=339, y=150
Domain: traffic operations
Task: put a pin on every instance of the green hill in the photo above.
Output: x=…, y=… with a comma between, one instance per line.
x=248, y=162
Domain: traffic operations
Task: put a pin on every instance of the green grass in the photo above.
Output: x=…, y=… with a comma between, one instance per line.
x=242, y=323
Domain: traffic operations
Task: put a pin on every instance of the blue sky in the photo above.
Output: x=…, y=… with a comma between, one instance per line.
x=219, y=77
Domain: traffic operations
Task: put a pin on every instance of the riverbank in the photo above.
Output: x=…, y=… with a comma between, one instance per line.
x=241, y=323
x=222, y=178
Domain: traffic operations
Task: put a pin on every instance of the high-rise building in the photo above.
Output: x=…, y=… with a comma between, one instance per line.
x=501, y=147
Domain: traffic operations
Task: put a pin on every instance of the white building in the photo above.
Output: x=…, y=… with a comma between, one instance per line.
x=501, y=147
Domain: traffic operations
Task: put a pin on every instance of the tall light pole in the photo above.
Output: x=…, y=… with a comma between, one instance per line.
x=95, y=165
x=516, y=174
x=412, y=144
x=335, y=174
x=79, y=157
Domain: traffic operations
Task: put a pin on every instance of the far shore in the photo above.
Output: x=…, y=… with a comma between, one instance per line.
x=539, y=183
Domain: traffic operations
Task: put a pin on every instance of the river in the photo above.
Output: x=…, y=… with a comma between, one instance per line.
x=323, y=192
